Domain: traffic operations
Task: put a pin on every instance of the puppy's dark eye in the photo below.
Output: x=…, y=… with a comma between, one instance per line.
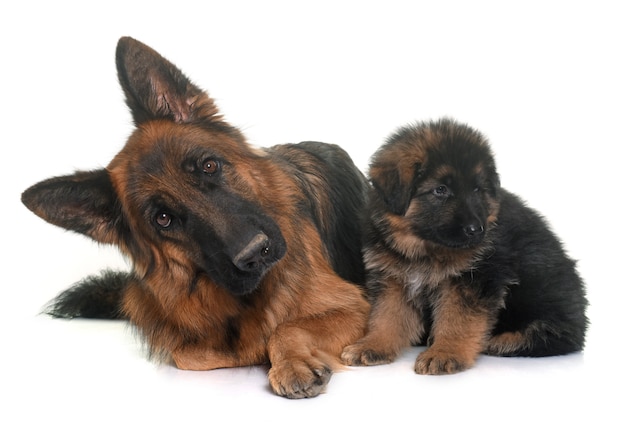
x=441, y=190
x=210, y=166
x=164, y=220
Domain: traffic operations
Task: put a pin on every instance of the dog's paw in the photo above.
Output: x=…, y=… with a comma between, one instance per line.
x=434, y=362
x=297, y=378
x=362, y=355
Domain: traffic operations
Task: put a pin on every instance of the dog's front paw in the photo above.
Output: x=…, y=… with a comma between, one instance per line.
x=362, y=355
x=436, y=362
x=298, y=378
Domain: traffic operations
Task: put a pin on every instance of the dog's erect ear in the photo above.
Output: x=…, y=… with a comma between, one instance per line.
x=394, y=185
x=156, y=89
x=84, y=202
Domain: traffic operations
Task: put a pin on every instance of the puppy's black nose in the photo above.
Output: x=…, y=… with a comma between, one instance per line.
x=474, y=230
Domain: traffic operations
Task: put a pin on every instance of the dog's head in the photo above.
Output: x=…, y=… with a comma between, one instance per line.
x=440, y=178
x=181, y=198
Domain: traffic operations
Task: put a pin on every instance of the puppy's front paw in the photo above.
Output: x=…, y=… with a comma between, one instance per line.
x=362, y=355
x=296, y=378
x=436, y=362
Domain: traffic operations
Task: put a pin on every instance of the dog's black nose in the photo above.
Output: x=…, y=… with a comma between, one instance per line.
x=473, y=230
x=254, y=255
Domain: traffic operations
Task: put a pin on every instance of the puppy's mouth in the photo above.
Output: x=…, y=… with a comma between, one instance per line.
x=465, y=245
x=466, y=237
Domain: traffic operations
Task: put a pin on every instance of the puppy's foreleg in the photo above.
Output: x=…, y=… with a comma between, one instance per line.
x=460, y=325
x=393, y=325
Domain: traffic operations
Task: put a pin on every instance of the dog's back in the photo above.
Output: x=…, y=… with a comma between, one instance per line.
x=336, y=192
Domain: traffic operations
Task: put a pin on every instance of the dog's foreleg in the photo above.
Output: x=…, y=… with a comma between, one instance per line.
x=304, y=352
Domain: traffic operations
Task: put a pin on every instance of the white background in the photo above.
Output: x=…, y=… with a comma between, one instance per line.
x=545, y=81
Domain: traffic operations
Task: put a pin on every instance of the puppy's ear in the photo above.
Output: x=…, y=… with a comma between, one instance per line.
x=156, y=89
x=84, y=202
x=395, y=185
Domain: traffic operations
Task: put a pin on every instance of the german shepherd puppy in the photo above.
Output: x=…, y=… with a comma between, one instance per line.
x=458, y=263
x=240, y=256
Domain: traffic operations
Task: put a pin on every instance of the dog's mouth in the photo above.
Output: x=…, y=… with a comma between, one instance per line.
x=245, y=285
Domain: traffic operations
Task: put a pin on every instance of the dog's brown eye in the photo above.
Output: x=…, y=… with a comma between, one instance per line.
x=210, y=166
x=164, y=220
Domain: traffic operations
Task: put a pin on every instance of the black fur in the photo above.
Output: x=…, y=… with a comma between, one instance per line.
x=96, y=296
x=545, y=287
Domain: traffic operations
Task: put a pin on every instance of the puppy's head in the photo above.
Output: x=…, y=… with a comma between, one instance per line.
x=439, y=179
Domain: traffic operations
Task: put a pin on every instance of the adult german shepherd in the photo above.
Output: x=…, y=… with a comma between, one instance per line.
x=240, y=256
x=458, y=263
